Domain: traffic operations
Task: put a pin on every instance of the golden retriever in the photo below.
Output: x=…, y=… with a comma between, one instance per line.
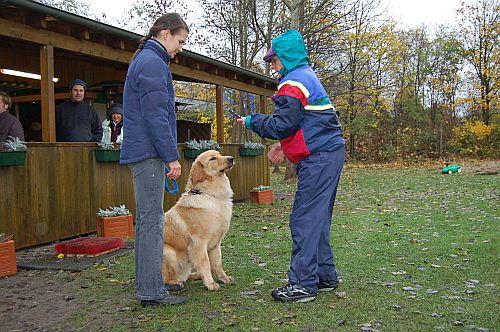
x=197, y=223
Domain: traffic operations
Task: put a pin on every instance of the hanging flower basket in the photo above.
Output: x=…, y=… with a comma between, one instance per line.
x=193, y=153
x=251, y=152
x=107, y=155
x=13, y=158
x=194, y=148
x=8, y=264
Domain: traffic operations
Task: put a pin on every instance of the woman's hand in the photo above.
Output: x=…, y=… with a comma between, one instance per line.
x=241, y=120
x=175, y=170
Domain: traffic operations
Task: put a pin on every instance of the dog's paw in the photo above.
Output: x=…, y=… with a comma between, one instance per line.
x=227, y=279
x=213, y=286
x=194, y=276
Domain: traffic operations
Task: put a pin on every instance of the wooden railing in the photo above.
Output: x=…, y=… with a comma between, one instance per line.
x=58, y=192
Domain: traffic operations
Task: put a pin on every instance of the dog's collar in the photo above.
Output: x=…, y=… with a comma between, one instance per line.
x=195, y=192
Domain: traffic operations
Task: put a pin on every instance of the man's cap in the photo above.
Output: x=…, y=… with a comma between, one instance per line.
x=116, y=108
x=269, y=55
x=78, y=82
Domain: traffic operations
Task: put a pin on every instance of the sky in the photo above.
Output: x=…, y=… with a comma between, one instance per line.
x=408, y=13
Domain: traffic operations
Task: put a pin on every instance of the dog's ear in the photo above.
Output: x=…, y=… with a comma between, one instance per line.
x=197, y=173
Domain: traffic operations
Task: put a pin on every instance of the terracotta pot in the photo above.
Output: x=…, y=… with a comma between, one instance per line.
x=262, y=197
x=121, y=226
x=8, y=264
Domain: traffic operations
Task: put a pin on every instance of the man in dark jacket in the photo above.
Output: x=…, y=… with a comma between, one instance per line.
x=77, y=121
x=9, y=124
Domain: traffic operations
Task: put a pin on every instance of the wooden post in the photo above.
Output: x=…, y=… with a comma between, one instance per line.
x=219, y=116
x=47, y=93
x=262, y=110
x=262, y=104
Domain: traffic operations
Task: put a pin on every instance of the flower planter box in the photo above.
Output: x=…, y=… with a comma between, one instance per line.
x=107, y=155
x=262, y=197
x=121, y=226
x=8, y=264
x=251, y=152
x=13, y=158
x=193, y=153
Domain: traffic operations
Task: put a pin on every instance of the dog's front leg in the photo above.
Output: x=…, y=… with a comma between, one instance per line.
x=215, y=256
x=198, y=255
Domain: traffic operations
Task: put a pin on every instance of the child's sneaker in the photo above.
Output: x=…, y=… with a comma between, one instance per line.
x=295, y=293
x=326, y=286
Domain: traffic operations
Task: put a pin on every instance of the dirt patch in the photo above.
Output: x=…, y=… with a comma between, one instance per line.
x=35, y=301
x=485, y=168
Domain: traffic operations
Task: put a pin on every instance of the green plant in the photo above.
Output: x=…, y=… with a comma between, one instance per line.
x=114, y=211
x=202, y=145
x=15, y=144
x=253, y=145
x=261, y=188
x=5, y=238
x=106, y=144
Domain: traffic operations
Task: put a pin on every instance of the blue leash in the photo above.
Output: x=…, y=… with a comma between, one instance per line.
x=174, y=187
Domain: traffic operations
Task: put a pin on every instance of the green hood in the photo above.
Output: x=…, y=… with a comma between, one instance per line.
x=291, y=50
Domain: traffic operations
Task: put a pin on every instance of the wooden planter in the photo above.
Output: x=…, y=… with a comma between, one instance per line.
x=107, y=155
x=121, y=226
x=8, y=264
x=262, y=197
x=12, y=158
x=193, y=153
x=251, y=152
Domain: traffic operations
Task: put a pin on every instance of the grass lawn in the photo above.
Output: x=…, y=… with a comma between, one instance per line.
x=416, y=251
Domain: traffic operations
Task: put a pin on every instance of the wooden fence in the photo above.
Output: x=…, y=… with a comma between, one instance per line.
x=58, y=192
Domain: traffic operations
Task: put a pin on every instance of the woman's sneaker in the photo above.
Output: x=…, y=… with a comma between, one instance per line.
x=326, y=286
x=295, y=293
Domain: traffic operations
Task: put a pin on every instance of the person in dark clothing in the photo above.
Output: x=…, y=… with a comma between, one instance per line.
x=112, y=126
x=9, y=124
x=150, y=143
x=77, y=121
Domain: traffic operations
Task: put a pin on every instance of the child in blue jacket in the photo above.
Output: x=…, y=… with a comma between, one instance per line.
x=307, y=126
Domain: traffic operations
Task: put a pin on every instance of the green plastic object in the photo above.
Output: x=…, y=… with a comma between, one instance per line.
x=251, y=152
x=12, y=158
x=107, y=155
x=450, y=169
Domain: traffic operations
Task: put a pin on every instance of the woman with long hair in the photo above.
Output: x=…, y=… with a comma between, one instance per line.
x=149, y=143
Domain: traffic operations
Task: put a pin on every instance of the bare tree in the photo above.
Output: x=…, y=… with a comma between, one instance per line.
x=480, y=27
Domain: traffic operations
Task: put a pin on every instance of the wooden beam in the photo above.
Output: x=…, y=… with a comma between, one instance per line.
x=216, y=79
x=47, y=93
x=57, y=96
x=44, y=37
x=219, y=112
x=262, y=105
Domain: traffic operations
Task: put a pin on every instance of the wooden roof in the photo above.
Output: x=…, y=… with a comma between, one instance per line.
x=33, y=22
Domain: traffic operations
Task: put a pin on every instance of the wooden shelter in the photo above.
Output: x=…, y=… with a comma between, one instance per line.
x=58, y=192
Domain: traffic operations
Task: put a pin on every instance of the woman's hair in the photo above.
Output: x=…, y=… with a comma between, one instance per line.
x=170, y=21
x=5, y=98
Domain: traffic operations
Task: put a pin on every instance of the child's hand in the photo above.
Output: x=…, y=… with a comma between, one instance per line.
x=241, y=120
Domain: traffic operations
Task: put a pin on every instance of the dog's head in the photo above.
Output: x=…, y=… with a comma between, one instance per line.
x=209, y=165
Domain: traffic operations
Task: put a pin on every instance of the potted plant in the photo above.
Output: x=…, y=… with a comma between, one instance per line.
x=107, y=152
x=8, y=264
x=194, y=148
x=115, y=222
x=262, y=195
x=252, y=149
x=15, y=152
